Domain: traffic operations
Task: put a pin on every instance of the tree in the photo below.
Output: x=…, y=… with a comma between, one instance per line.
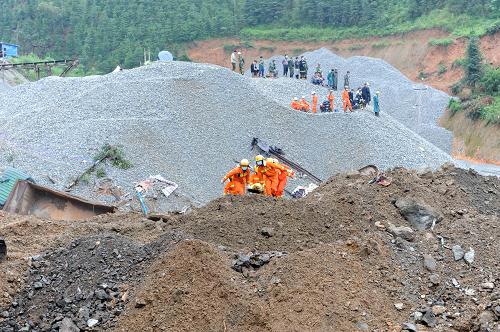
x=473, y=63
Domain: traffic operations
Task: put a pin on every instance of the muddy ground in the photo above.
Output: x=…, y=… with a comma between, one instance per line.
x=342, y=259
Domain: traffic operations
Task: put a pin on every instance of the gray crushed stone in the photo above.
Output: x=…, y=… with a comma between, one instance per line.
x=417, y=106
x=188, y=122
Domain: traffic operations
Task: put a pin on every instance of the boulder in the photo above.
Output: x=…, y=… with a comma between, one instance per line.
x=418, y=214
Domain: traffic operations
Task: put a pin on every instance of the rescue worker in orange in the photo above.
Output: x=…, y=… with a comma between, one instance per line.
x=238, y=178
x=269, y=172
x=282, y=178
x=296, y=104
x=346, y=102
x=304, y=105
x=331, y=99
x=314, y=101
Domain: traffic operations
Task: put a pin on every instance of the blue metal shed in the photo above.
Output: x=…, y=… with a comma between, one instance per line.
x=7, y=182
x=8, y=50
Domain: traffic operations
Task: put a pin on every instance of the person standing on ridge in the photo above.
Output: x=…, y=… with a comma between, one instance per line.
x=297, y=67
x=346, y=101
x=291, y=66
x=238, y=178
x=234, y=60
x=365, y=93
x=241, y=61
x=331, y=99
x=329, y=78
x=314, y=101
x=285, y=66
x=261, y=66
x=376, y=106
x=346, y=79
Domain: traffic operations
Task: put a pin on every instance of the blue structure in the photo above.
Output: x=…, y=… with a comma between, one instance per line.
x=8, y=50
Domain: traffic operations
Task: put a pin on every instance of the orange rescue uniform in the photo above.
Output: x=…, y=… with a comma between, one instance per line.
x=282, y=178
x=238, y=179
x=269, y=173
x=296, y=105
x=331, y=99
x=346, y=102
x=314, y=103
x=304, y=105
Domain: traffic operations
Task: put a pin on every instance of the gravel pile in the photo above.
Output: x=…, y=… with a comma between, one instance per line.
x=189, y=123
x=417, y=106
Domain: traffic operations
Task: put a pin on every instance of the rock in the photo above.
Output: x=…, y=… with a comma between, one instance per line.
x=455, y=283
x=487, y=285
x=362, y=326
x=403, y=232
x=92, y=322
x=430, y=263
x=409, y=327
x=67, y=325
x=101, y=294
x=438, y=310
x=37, y=285
x=5, y=314
x=429, y=318
x=458, y=252
x=435, y=279
x=140, y=302
x=469, y=256
x=267, y=231
x=418, y=214
x=486, y=317
x=399, y=306
x=470, y=292
x=497, y=310
x=378, y=224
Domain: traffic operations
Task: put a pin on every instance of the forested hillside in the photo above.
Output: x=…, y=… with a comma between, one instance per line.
x=106, y=33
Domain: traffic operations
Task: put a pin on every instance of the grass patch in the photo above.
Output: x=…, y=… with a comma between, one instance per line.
x=442, y=69
x=269, y=49
x=445, y=42
x=381, y=44
x=100, y=172
x=298, y=51
x=491, y=113
x=356, y=47
x=458, y=63
x=454, y=106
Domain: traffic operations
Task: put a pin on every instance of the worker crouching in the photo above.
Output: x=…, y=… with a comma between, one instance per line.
x=269, y=172
x=282, y=178
x=238, y=178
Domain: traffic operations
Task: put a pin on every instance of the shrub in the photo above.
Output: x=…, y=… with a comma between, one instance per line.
x=115, y=155
x=491, y=80
x=458, y=63
x=493, y=29
x=454, y=106
x=442, y=69
x=356, y=47
x=445, y=42
x=269, y=49
x=381, y=44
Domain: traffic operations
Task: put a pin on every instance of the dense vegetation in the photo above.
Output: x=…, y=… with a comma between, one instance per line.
x=479, y=89
x=106, y=33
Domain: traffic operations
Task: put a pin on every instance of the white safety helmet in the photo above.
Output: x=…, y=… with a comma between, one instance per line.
x=313, y=93
x=295, y=98
x=303, y=97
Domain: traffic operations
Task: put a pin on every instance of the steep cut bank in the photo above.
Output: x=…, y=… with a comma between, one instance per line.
x=410, y=53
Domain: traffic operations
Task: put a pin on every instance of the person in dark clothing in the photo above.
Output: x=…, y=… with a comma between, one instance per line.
x=285, y=66
x=297, y=67
x=365, y=92
x=254, y=68
x=347, y=79
x=335, y=79
x=291, y=67
x=351, y=96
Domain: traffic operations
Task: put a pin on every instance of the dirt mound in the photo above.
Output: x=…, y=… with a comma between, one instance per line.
x=353, y=262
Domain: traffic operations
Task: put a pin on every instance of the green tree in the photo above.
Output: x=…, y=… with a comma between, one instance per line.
x=473, y=63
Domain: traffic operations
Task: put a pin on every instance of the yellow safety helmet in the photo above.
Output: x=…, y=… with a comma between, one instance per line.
x=244, y=162
x=259, y=157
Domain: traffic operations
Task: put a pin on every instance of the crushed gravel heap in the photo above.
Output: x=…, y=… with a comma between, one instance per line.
x=417, y=106
x=188, y=122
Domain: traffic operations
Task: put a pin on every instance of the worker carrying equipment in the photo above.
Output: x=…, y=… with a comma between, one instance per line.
x=282, y=178
x=304, y=105
x=346, y=101
x=238, y=179
x=269, y=172
x=314, y=102
x=296, y=104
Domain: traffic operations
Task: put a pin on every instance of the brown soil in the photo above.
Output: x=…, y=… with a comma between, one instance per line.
x=410, y=53
x=341, y=270
x=474, y=141
x=28, y=236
